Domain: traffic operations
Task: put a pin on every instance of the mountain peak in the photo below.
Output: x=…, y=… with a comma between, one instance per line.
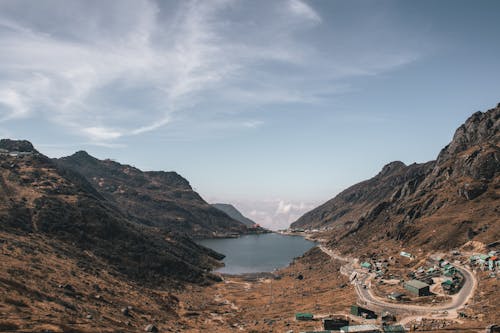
x=82, y=154
x=391, y=167
x=479, y=127
x=17, y=145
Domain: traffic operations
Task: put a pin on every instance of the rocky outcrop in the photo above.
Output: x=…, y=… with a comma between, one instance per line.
x=424, y=204
x=479, y=128
x=17, y=145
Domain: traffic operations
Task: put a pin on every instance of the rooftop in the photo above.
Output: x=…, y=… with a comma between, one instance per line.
x=417, y=284
x=360, y=328
x=393, y=328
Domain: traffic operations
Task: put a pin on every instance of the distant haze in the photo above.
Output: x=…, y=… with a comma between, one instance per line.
x=273, y=106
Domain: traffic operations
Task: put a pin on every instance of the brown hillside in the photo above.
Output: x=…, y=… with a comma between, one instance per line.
x=156, y=198
x=440, y=204
x=39, y=199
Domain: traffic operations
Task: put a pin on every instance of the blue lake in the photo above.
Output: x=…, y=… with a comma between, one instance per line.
x=258, y=253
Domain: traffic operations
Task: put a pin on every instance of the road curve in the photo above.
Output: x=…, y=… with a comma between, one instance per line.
x=366, y=296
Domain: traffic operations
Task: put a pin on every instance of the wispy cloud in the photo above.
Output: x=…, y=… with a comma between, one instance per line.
x=108, y=70
x=303, y=10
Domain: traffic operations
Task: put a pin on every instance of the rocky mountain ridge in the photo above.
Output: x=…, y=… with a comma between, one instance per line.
x=155, y=198
x=438, y=204
x=40, y=199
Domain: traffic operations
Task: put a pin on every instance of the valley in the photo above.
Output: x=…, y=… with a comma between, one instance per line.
x=227, y=166
x=94, y=245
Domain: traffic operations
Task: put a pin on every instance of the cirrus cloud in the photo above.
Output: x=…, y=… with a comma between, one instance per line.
x=108, y=70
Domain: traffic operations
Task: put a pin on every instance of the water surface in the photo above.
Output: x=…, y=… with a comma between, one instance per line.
x=258, y=253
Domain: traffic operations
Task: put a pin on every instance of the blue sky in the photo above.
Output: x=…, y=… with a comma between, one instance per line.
x=274, y=106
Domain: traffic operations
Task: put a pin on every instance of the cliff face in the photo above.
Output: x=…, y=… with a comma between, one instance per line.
x=58, y=206
x=438, y=204
x=155, y=198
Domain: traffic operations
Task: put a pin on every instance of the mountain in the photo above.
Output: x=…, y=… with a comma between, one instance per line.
x=155, y=198
x=41, y=202
x=440, y=204
x=232, y=212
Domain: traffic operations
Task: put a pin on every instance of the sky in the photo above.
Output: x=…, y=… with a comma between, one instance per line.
x=273, y=106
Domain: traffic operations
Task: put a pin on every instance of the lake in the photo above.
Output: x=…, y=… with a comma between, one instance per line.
x=257, y=253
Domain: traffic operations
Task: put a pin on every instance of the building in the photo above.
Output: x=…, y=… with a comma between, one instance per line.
x=448, y=285
x=362, y=312
x=387, y=317
x=304, y=316
x=417, y=287
x=334, y=324
x=395, y=296
x=366, y=265
x=449, y=270
x=360, y=329
x=393, y=329
x=406, y=255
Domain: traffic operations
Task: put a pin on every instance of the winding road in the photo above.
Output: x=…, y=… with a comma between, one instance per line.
x=408, y=312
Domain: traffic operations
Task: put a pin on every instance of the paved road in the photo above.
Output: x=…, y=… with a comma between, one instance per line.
x=366, y=296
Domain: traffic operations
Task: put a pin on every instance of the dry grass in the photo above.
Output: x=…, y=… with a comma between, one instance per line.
x=59, y=293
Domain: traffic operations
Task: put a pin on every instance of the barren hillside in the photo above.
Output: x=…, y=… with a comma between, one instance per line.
x=439, y=204
x=156, y=198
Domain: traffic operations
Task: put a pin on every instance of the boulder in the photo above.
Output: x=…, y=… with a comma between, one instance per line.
x=151, y=328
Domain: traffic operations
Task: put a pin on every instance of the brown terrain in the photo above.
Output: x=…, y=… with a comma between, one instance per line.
x=155, y=198
x=79, y=252
x=436, y=205
x=68, y=253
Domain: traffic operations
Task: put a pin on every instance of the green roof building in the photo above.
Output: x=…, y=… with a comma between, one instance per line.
x=366, y=265
x=417, y=287
x=304, y=316
x=393, y=329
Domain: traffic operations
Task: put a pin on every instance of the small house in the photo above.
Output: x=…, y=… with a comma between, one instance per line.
x=304, y=316
x=360, y=329
x=362, y=312
x=387, y=317
x=417, y=287
x=406, y=254
x=366, y=265
x=334, y=324
x=447, y=285
x=483, y=258
x=395, y=296
x=393, y=329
